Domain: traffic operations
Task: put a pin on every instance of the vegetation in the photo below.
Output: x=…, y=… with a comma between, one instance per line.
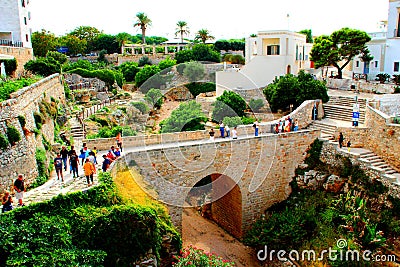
x=382, y=77
x=43, y=42
x=3, y=142
x=338, y=48
x=142, y=107
x=232, y=45
x=11, y=86
x=48, y=65
x=187, y=117
x=194, y=71
x=197, y=88
x=315, y=219
x=145, y=60
x=155, y=98
x=232, y=121
x=308, y=34
x=229, y=104
x=89, y=228
x=199, y=52
x=129, y=70
x=145, y=73
x=256, y=104
x=41, y=162
x=106, y=75
x=10, y=64
x=204, y=35
x=13, y=135
x=192, y=256
x=166, y=63
x=182, y=29
x=290, y=89
x=234, y=59
x=143, y=21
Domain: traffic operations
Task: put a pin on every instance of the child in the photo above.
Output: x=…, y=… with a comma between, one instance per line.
x=348, y=146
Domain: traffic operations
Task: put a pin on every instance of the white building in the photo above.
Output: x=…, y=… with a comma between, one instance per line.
x=271, y=54
x=384, y=47
x=15, y=23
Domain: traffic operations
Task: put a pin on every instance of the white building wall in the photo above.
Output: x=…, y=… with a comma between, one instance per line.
x=12, y=22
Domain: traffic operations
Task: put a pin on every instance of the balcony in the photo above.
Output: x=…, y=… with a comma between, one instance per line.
x=11, y=43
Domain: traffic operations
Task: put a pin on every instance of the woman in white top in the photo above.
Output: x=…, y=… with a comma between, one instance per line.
x=234, y=133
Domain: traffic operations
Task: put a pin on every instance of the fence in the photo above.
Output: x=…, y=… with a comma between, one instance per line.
x=11, y=43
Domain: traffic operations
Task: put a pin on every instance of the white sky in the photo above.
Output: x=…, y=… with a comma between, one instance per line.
x=224, y=19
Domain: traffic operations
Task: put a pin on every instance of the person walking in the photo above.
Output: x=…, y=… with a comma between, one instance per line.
x=6, y=201
x=348, y=146
x=341, y=139
x=19, y=186
x=106, y=163
x=228, y=131
x=58, y=164
x=70, y=152
x=222, y=129
x=74, y=163
x=89, y=169
x=118, y=138
x=211, y=133
x=296, y=125
x=234, y=133
x=64, y=156
x=256, y=126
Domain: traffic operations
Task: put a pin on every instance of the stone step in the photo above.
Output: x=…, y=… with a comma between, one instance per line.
x=390, y=177
x=367, y=154
x=391, y=171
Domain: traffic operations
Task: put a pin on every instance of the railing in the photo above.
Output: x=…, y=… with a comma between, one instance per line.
x=87, y=112
x=11, y=43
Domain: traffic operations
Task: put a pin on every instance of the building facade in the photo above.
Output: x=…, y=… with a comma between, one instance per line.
x=271, y=54
x=15, y=20
x=384, y=47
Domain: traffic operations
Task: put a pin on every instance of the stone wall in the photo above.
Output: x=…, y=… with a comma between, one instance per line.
x=21, y=54
x=261, y=167
x=384, y=137
x=303, y=114
x=155, y=59
x=328, y=155
x=361, y=86
x=20, y=158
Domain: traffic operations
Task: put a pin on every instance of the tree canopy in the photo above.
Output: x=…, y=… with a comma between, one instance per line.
x=182, y=29
x=229, y=104
x=187, y=117
x=203, y=35
x=42, y=42
x=291, y=89
x=143, y=22
x=339, y=48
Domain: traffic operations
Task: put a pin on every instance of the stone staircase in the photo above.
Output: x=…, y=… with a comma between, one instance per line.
x=327, y=130
x=379, y=165
x=77, y=130
x=341, y=108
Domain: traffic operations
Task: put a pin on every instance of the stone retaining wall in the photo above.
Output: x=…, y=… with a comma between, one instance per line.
x=21, y=54
x=328, y=155
x=302, y=113
x=20, y=158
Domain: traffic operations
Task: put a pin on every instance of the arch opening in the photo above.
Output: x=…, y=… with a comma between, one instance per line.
x=218, y=198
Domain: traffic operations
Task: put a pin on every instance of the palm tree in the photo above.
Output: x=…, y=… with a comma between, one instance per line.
x=182, y=29
x=204, y=35
x=122, y=38
x=143, y=22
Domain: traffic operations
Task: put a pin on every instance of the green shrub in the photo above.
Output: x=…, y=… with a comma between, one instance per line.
x=3, y=142
x=232, y=121
x=166, y=63
x=197, y=88
x=129, y=70
x=10, y=64
x=39, y=120
x=229, y=104
x=101, y=121
x=248, y=120
x=13, y=135
x=43, y=66
x=9, y=87
x=256, y=104
x=22, y=120
x=141, y=106
x=181, y=68
x=145, y=73
x=382, y=77
x=106, y=132
x=313, y=154
x=145, y=60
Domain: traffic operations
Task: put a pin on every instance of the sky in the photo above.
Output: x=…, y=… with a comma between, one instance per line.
x=224, y=19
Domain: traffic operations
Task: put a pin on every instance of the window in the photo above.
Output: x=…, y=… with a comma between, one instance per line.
x=23, y=3
x=273, y=50
x=376, y=64
x=25, y=21
x=357, y=64
x=27, y=37
x=29, y=15
x=396, y=67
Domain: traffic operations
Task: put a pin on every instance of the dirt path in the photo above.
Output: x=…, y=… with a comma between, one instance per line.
x=207, y=235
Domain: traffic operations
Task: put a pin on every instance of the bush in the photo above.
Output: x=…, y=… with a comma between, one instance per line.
x=155, y=98
x=43, y=66
x=145, y=73
x=197, y=88
x=13, y=135
x=10, y=64
x=22, y=120
x=256, y=104
x=192, y=256
x=187, y=117
x=141, y=106
x=129, y=70
x=248, y=120
x=143, y=61
x=9, y=87
x=181, y=68
x=106, y=75
x=232, y=121
x=3, y=142
x=229, y=104
x=194, y=71
x=199, y=52
x=101, y=121
x=166, y=63
x=107, y=132
x=382, y=77
x=39, y=120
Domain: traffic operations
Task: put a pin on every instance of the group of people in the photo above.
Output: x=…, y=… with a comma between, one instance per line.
x=19, y=187
x=341, y=142
x=286, y=125
x=225, y=131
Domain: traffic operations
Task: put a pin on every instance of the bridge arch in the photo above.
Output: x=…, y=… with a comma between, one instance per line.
x=220, y=200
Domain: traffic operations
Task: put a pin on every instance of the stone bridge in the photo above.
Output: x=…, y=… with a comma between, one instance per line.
x=248, y=175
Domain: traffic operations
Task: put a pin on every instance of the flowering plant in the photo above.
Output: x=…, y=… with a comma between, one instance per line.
x=195, y=257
